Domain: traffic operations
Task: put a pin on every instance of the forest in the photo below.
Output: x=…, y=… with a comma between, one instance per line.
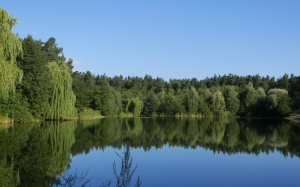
x=38, y=83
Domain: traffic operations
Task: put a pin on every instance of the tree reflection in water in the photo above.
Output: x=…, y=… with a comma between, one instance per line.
x=33, y=155
x=123, y=178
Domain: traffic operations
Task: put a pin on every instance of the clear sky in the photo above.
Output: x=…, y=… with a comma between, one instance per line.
x=168, y=39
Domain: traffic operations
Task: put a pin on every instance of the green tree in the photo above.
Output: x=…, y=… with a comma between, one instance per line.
x=81, y=91
x=52, y=52
x=203, y=106
x=232, y=101
x=62, y=100
x=190, y=100
x=248, y=99
x=10, y=48
x=170, y=105
x=108, y=101
x=278, y=102
x=217, y=102
x=283, y=82
x=150, y=104
x=204, y=101
x=35, y=85
x=134, y=106
x=260, y=108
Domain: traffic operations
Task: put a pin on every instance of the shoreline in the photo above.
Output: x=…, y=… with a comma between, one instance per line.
x=295, y=118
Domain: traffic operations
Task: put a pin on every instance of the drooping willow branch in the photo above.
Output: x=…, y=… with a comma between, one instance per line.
x=10, y=48
x=9, y=74
x=62, y=99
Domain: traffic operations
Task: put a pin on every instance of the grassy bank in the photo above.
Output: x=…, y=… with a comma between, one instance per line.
x=89, y=113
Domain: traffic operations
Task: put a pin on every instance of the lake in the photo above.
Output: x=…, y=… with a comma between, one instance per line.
x=156, y=151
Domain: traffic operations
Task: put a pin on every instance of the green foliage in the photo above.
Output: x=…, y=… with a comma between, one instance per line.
x=84, y=94
x=134, y=106
x=108, y=101
x=10, y=48
x=251, y=96
x=15, y=109
x=52, y=52
x=232, y=101
x=170, y=105
x=190, y=100
x=88, y=113
x=283, y=83
x=9, y=177
x=248, y=100
x=9, y=74
x=261, y=92
x=278, y=102
x=260, y=108
x=217, y=102
x=203, y=107
x=35, y=85
x=62, y=102
x=4, y=118
x=19, y=109
x=151, y=104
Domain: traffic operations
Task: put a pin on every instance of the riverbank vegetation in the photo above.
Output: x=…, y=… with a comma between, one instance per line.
x=38, y=83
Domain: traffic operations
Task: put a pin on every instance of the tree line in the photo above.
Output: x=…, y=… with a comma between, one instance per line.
x=37, y=82
x=251, y=96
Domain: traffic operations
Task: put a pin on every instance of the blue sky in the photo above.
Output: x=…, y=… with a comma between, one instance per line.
x=168, y=39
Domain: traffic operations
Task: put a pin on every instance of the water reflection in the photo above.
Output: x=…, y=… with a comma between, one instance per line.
x=124, y=177
x=34, y=155
x=219, y=135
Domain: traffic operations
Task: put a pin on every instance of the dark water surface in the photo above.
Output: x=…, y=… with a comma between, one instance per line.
x=166, y=151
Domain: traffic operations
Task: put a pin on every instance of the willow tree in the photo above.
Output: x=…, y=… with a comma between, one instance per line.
x=10, y=48
x=134, y=106
x=62, y=99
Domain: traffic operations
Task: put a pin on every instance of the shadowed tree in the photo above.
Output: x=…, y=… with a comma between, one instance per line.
x=150, y=104
x=248, y=100
x=35, y=85
x=278, y=102
x=232, y=101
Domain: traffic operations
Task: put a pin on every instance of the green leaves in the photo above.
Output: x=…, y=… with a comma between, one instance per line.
x=278, y=102
x=62, y=101
x=35, y=84
x=217, y=102
x=232, y=101
x=10, y=48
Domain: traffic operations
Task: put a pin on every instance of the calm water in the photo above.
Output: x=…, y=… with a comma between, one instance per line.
x=164, y=151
